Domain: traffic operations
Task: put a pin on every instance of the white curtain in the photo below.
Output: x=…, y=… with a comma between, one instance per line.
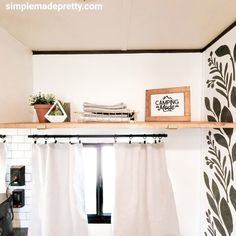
x=2, y=167
x=144, y=201
x=58, y=206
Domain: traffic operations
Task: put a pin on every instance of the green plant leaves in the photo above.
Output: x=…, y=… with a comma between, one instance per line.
x=219, y=226
x=232, y=195
x=222, y=51
x=216, y=106
x=233, y=96
x=220, y=139
x=226, y=215
x=234, y=152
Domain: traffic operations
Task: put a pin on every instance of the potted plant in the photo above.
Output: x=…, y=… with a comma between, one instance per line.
x=56, y=113
x=42, y=103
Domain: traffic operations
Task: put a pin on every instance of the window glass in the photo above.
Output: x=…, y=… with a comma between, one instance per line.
x=90, y=178
x=108, y=172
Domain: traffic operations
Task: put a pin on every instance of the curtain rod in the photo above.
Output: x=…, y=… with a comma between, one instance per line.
x=35, y=136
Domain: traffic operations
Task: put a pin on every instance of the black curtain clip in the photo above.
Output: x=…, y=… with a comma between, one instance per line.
x=46, y=140
x=130, y=140
x=155, y=140
x=115, y=139
x=79, y=141
x=35, y=140
x=144, y=140
x=55, y=141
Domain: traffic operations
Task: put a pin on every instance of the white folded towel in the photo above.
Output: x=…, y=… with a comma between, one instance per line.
x=104, y=119
x=104, y=110
x=115, y=106
x=90, y=114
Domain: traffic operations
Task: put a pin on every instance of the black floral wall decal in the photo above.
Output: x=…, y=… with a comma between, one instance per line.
x=221, y=192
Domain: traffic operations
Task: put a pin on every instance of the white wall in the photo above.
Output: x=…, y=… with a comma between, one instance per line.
x=115, y=78
x=15, y=79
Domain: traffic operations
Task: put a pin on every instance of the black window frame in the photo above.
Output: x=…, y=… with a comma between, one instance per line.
x=99, y=217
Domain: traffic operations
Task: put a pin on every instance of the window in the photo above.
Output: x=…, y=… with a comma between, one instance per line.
x=99, y=182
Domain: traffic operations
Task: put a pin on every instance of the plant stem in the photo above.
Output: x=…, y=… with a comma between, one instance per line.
x=232, y=61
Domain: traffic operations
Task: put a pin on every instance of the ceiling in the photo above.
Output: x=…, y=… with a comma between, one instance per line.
x=121, y=24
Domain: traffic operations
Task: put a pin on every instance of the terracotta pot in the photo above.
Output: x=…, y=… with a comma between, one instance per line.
x=41, y=110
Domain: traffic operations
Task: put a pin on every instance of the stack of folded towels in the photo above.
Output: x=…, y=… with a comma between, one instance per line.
x=107, y=113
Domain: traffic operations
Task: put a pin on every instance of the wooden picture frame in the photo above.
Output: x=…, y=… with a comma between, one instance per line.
x=168, y=104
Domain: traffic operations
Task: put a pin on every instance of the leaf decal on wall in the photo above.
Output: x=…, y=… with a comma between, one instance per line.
x=221, y=92
x=207, y=104
x=206, y=179
x=234, y=152
x=215, y=191
x=232, y=194
x=219, y=226
x=212, y=203
x=226, y=215
x=211, y=119
x=220, y=139
x=226, y=116
x=221, y=190
x=222, y=51
x=216, y=106
x=235, y=53
x=233, y=96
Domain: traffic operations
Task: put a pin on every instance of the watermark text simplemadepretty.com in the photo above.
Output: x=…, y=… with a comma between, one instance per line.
x=74, y=6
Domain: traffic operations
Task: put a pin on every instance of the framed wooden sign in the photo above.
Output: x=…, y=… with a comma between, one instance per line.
x=168, y=104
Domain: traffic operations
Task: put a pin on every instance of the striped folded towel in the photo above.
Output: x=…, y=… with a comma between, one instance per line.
x=109, y=107
x=109, y=111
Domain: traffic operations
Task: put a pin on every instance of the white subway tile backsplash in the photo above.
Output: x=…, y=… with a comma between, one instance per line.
x=25, y=209
x=28, y=200
x=24, y=147
x=10, y=131
x=23, y=132
x=28, y=177
x=20, y=223
x=9, y=155
x=12, y=147
x=19, y=161
x=28, y=169
x=18, y=139
x=28, y=193
x=19, y=152
x=20, y=216
x=28, y=140
x=28, y=154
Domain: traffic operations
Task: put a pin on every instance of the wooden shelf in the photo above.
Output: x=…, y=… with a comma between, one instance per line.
x=135, y=125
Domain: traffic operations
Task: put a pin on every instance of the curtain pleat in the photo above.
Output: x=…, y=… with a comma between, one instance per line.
x=58, y=206
x=2, y=167
x=144, y=200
